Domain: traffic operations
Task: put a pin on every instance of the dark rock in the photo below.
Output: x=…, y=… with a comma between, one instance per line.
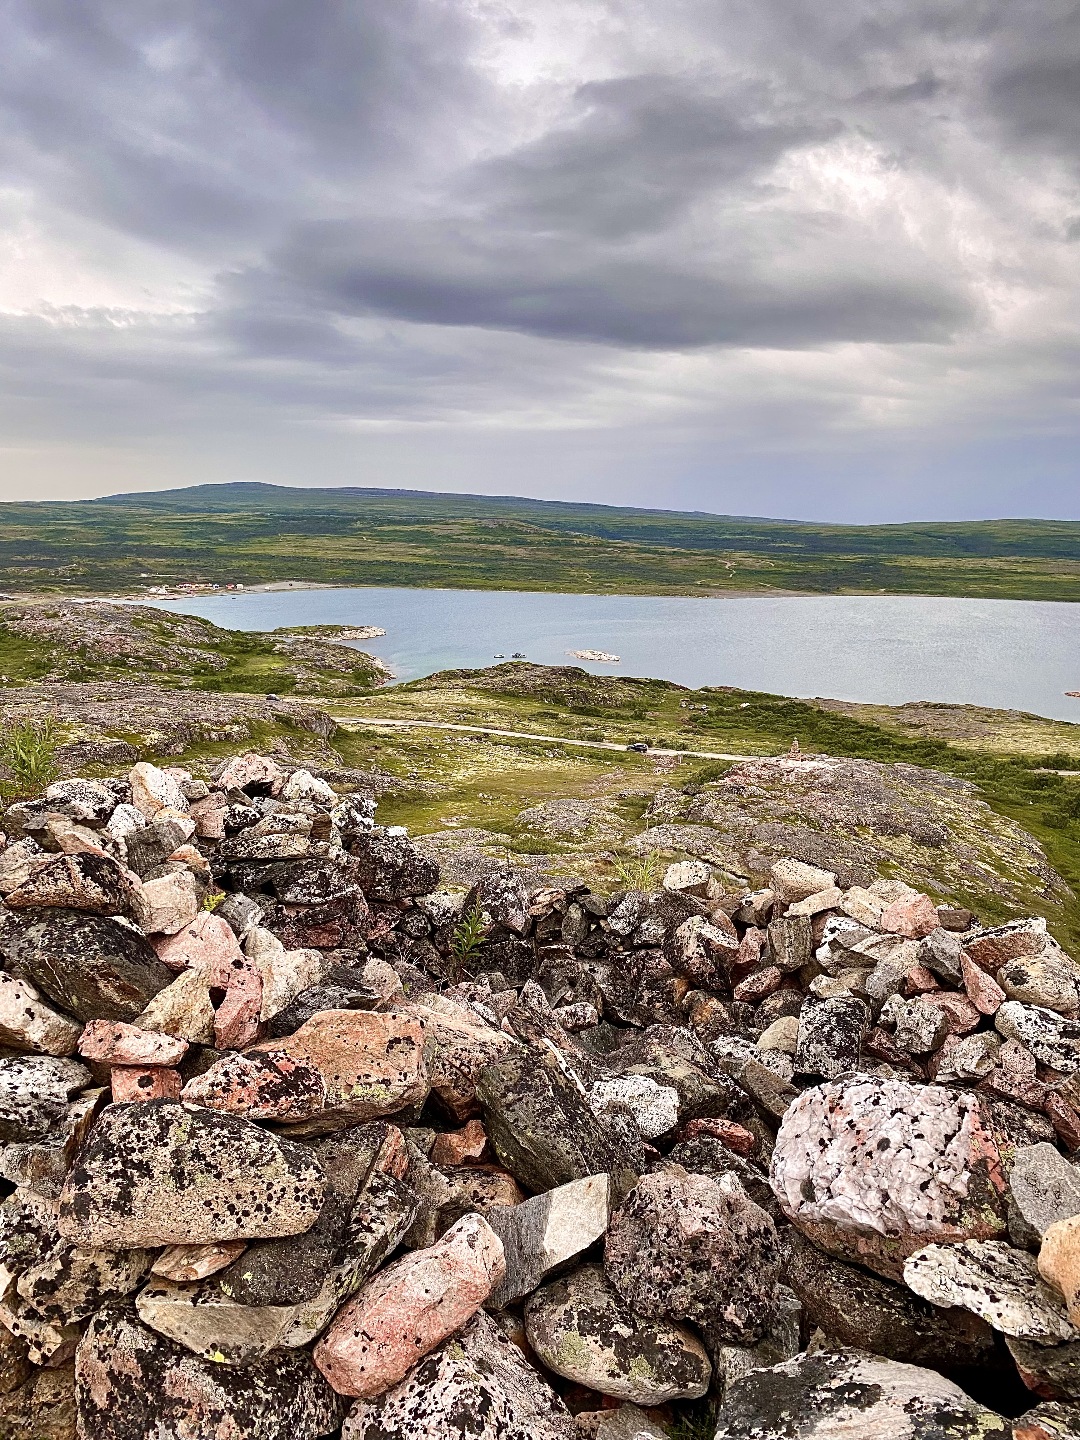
x=389, y=867
x=856, y=1308
x=150, y=847
x=132, y=1383
x=690, y=1247
x=1052, y=1371
x=315, y=882
x=240, y=912
x=541, y=1126
x=93, y=966
x=320, y=997
x=830, y=1036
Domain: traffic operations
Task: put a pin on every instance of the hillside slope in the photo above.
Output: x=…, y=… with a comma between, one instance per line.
x=251, y=533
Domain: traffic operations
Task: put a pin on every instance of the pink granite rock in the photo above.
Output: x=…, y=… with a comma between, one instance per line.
x=460, y=1146
x=409, y=1308
x=913, y=916
x=184, y=1263
x=982, y=989
x=206, y=944
x=209, y=816
x=236, y=1022
x=117, y=1043
x=166, y=904
x=153, y=791
x=268, y=1086
x=132, y=1082
x=872, y=1169
x=372, y=1062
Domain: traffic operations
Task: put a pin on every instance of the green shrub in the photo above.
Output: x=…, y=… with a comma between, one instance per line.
x=465, y=942
x=637, y=872
x=28, y=750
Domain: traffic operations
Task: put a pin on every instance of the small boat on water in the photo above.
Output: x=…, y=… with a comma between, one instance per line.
x=498, y=657
x=518, y=655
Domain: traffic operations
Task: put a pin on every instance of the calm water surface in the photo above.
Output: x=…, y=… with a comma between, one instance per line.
x=1010, y=654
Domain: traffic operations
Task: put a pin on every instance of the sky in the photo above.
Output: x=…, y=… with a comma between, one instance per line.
x=799, y=259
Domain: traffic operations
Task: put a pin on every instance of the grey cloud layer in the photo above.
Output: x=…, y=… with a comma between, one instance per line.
x=363, y=197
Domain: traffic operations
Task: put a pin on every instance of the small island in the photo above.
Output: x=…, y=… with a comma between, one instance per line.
x=601, y=655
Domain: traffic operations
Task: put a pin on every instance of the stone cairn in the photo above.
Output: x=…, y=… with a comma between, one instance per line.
x=284, y=1157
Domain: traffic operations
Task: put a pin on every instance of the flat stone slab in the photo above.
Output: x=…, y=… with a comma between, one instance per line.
x=994, y=1281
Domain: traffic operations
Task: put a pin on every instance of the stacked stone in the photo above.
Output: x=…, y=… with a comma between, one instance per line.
x=278, y=1162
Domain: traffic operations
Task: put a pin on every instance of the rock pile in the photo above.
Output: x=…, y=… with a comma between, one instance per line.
x=286, y=1155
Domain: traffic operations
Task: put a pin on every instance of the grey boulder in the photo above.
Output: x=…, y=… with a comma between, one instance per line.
x=93, y=966
x=161, y=1173
x=691, y=1247
x=581, y=1329
x=476, y=1385
x=835, y=1395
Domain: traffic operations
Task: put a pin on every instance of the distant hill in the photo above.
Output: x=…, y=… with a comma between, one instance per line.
x=249, y=532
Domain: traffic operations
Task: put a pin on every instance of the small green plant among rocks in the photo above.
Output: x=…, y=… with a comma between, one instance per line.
x=28, y=752
x=639, y=872
x=465, y=942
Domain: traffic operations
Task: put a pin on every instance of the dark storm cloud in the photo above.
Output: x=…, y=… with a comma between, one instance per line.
x=354, y=212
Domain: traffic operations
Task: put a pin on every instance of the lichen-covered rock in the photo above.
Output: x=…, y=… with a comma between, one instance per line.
x=830, y=1036
x=654, y=1107
x=42, y=1407
x=582, y=1329
x=835, y=1395
x=92, y=966
x=371, y=1063
x=476, y=1385
x=28, y=1023
x=1043, y=1188
x=541, y=1125
x=873, y=1169
x=458, y=1044
x=132, y=1384
x=691, y=1247
x=34, y=1094
x=267, y=1086
x=390, y=867
x=409, y=1308
x=1051, y=1038
x=854, y=1307
x=994, y=1281
x=162, y=1173
x=92, y=883
x=282, y=1294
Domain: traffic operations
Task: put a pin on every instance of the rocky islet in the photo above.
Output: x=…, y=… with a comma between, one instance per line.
x=279, y=1164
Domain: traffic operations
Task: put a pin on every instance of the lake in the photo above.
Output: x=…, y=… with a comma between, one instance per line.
x=886, y=649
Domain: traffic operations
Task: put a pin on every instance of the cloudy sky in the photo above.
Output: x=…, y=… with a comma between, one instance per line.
x=794, y=258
